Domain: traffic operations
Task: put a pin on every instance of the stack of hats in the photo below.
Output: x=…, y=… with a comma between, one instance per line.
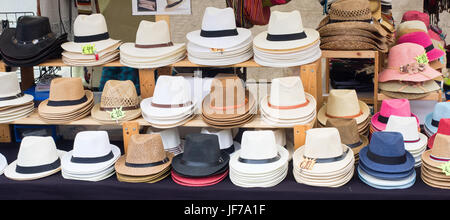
x=288, y=104
x=351, y=26
x=153, y=48
x=92, y=45
x=14, y=104
x=435, y=170
x=145, y=160
x=92, y=157
x=375, y=8
x=391, y=107
x=219, y=42
x=225, y=136
x=423, y=39
x=425, y=18
x=415, y=142
x=119, y=103
x=260, y=162
x=171, y=105
x=386, y=11
x=385, y=164
x=444, y=129
x=432, y=120
x=202, y=163
x=38, y=157
x=32, y=42
x=286, y=43
x=229, y=104
x=348, y=131
x=63, y=106
x=170, y=138
x=344, y=103
x=408, y=73
x=324, y=160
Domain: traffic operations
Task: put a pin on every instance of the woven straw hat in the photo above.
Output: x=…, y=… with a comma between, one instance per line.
x=355, y=42
x=348, y=130
x=440, y=153
x=117, y=94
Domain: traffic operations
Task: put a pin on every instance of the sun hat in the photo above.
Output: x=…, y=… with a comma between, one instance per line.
x=201, y=157
x=409, y=87
x=386, y=184
x=92, y=153
x=145, y=156
x=10, y=92
x=3, y=163
x=389, y=107
x=37, y=158
x=219, y=30
x=420, y=16
x=441, y=110
x=379, y=45
x=343, y=103
x=424, y=40
x=117, y=95
x=443, y=128
x=407, y=126
x=407, y=62
x=89, y=29
x=386, y=153
x=225, y=136
x=348, y=132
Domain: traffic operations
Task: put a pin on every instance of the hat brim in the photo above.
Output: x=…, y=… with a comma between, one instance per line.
x=219, y=42
x=252, y=169
x=223, y=61
x=99, y=45
x=96, y=178
x=121, y=168
x=386, y=184
x=164, y=113
x=350, y=45
x=286, y=124
x=198, y=171
x=18, y=101
x=260, y=41
x=414, y=147
x=382, y=175
x=386, y=168
x=289, y=114
x=161, y=63
x=430, y=162
x=105, y=117
x=374, y=27
x=280, y=64
x=401, y=95
x=88, y=168
x=321, y=115
x=379, y=44
x=199, y=181
x=262, y=184
x=396, y=86
x=428, y=124
x=391, y=74
x=381, y=126
x=3, y=163
x=10, y=118
x=131, y=49
x=333, y=183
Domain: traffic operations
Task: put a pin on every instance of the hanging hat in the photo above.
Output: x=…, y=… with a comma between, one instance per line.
x=343, y=103
x=348, y=132
x=37, y=158
x=398, y=107
x=424, y=40
x=439, y=154
x=408, y=62
x=145, y=156
x=443, y=128
x=441, y=110
x=420, y=16
x=120, y=96
x=10, y=93
x=201, y=157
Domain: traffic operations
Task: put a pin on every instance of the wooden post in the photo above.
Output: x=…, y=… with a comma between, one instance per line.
x=312, y=80
x=165, y=71
x=5, y=133
x=26, y=78
x=327, y=74
x=129, y=128
x=147, y=82
x=300, y=135
x=375, y=82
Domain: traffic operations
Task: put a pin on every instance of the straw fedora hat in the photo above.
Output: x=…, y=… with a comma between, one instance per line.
x=10, y=93
x=89, y=29
x=440, y=153
x=343, y=103
x=348, y=131
x=117, y=95
x=407, y=126
x=92, y=153
x=441, y=110
x=390, y=107
x=443, y=128
x=37, y=158
x=285, y=32
x=145, y=156
x=62, y=102
x=219, y=30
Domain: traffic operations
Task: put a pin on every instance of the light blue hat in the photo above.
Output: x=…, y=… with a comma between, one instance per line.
x=386, y=184
x=441, y=110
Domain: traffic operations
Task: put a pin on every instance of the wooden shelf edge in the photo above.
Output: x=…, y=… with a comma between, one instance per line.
x=349, y=54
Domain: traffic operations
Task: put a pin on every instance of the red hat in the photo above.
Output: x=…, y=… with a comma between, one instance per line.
x=443, y=128
x=420, y=16
x=198, y=181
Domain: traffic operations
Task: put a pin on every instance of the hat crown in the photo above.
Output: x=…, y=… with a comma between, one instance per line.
x=407, y=126
x=387, y=143
x=350, y=10
x=441, y=146
x=404, y=53
x=153, y=33
x=285, y=23
x=60, y=86
x=416, y=15
x=398, y=107
x=145, y=148
x=323, y=143
x=414, y=24
x=88, y=25
x=280, y=135
x=287, y=91
x=170, y=137
x=441, y=110
x=420, y=38
x=258, y=145
x=90, y=144
x=215, y=19
x=36, y=151
x=202, y=148
x=227, y=91
x=118, y=93
x=172, y=90
x=343, y=103
x=10, y=84
x=225, y=136
x=444, y=126
x=347, y=128
x=29, y=28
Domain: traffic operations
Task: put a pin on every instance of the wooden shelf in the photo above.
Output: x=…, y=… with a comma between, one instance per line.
x=349, y=54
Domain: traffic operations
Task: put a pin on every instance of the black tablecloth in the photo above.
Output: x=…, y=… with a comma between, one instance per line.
x=56, y=187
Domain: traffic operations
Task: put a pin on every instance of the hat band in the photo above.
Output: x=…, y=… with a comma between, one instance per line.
x=145, y=165
x=201, y=164
x=67, y=103
x=34, y=41
x=383, y=119
x=221, y=33
x=153, y=45
x=414, y=141
x=171, y=105
x=429, y=48
x=230, y=107
x=11, y=97
x=38, y=169
x=128, y=108
x=260, y=161
x=434, y=123
x=350, y=116
x=386, y=7
x=386, y=160
x=91, y=38
x=331, y=159
x=439, y=158
x=286, y=37
x=107, y=157
x=288, y=107
x=331, y=21
x=355, y=144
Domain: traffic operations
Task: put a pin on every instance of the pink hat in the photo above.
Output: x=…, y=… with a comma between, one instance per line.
x=420, y=16
x=397, y=107
x=423, y=39
x=198, y=181
x=403, y=64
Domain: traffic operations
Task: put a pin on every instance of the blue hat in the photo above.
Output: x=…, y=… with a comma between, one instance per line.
x=386, y=153
x=383, y=184
x=385, y=176
x=441, y=110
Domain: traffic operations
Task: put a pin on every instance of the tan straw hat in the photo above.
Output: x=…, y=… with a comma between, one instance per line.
x=348, y=130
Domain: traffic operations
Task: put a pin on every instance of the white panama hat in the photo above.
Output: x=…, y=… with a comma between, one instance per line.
x=407, y=126
x=170, y=137
x=10, y=93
